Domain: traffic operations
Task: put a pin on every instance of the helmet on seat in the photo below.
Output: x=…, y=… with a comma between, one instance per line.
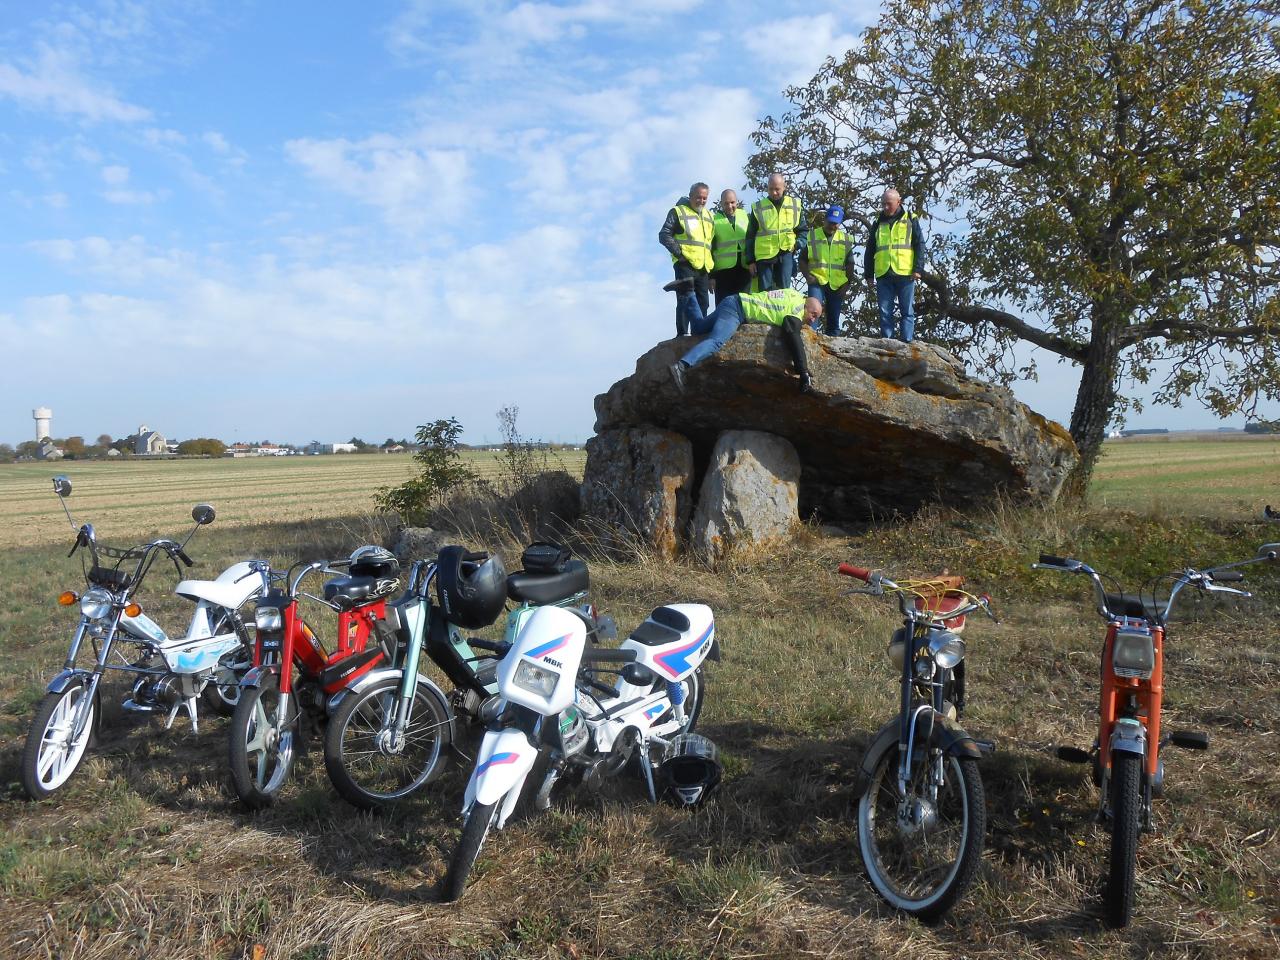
x=690, y=772
x=472, y=592
x=373, y=561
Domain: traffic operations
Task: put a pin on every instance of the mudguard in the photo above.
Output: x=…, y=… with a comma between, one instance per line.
x=947, y=735
x=502, y=764
x=66, y=679
x=394, y=673
x=254, y=677
x=1129, y=736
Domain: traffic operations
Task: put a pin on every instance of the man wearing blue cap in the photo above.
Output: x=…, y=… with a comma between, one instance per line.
x=826, y=258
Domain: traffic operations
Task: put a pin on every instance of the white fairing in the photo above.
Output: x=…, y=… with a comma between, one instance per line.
x=685, y=651
x=551, y=640
x=502, y=764
x=198, y=656
x=235, y=586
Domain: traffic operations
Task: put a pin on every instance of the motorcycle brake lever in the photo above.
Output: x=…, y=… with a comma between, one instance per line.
x=864, y=591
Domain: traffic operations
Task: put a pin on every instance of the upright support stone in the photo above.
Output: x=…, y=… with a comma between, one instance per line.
x=639, y=482
x=749, y=495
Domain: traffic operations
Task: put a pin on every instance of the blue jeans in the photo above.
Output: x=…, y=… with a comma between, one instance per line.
x=720, y=323
x=776, y=272
x=832, y=304
x=700, y=287
x=889, y=288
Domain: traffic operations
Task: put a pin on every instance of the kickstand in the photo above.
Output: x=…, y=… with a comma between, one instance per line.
x=190, y=704
x=647, y=767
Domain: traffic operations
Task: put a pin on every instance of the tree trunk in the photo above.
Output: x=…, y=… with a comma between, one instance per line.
x=1095, y=400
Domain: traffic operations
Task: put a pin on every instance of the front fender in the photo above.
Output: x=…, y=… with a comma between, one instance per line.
x=67, y=679
x=384, y=674
x=502, y=763
x=944, y=734
x=254, y=677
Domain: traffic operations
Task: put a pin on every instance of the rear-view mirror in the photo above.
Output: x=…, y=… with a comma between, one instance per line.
x=62, y=485
x=1269, y=551
x=203, y=513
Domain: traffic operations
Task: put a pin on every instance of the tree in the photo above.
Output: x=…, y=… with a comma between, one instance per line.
x=440, y=472
x=73, y=447
x=1100, y=179
x=7, y=453
x=202, y=447
x=28, y=449
x=104, y=440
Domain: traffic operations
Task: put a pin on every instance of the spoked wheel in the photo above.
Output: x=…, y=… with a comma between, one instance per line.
x=51, y=755
x=1126, y=808
x=921, y=853
x=261, y=759
x=479, y=821
x=367, y=765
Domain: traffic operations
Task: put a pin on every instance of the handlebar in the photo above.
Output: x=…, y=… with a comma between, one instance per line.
x=849, y=570
x=878, y=584
x=500, y=647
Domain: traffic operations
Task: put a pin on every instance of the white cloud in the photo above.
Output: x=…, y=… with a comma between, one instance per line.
x=216, y=141
x=793, y=48
x=53, y=82
x=115, y=175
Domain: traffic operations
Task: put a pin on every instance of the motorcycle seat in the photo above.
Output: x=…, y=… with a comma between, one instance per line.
x=543, y=588
x=1132, y=605
x=349, y=592
x=664, y=625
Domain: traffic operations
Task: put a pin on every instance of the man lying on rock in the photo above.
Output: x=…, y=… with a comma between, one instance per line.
x=786, y=308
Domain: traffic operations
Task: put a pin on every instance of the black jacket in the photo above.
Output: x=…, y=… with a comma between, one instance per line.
x=917, y=243
x=672, y=226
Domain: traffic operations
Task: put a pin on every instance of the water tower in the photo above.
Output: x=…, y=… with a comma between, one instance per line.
x=42, y=417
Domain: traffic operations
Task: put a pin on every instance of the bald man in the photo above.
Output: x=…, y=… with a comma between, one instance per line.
x=789, y=309
x=771, y=236
x=728, y=247
x=891, y=264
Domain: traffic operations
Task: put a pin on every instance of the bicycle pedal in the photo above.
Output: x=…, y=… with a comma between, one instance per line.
x=1190, y=739
x=1074, y=755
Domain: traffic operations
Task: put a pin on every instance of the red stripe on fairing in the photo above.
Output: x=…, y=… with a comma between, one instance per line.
x=680, y=654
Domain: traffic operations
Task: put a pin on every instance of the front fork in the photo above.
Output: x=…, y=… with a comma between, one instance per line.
x=95, y=677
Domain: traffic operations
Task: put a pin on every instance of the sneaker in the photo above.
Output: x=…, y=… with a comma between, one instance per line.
x=683, y=285
x=806, y=384
x=677, y=374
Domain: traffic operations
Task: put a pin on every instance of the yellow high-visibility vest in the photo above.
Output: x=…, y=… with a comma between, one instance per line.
x=775, y=226
x=828, y=257
x=772, y=307
x=730, y=237
x=893, y=247
x=695, y=242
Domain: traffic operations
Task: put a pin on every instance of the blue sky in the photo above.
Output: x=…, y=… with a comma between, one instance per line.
x=296, y=221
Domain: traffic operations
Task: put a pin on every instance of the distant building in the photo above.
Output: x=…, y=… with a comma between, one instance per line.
x=43, y=417
x=148, y=442
x=113, y=452
x=47, y=451
x=315, y=446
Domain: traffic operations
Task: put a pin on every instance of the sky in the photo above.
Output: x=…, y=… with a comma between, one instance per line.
x=293, y=221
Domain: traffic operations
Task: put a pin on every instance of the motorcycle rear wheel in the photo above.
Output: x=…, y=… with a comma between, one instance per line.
x=261, y=764
x=923, y=868
x=479, y=821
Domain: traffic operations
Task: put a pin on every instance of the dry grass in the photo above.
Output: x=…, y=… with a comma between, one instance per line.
x=147, y=853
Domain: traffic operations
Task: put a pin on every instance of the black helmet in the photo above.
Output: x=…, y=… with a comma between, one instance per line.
x=690, y=771
x=373, y=561
x=472, y=587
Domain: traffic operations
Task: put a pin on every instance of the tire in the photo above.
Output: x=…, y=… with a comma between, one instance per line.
x=49, y=758
x=479, y=821
x=363, y=773
x=222, y=698
x=897, y=862
x=1126, y=810
x=260, y=768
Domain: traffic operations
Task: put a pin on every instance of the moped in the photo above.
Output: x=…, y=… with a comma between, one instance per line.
x=389, y=733
x=171, y=673
x=921, y=807
x=555, y=707
x=1126, y=756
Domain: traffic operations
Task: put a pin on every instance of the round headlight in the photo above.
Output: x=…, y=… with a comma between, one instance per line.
x=268, y=619
x=95, y=604
x=947, y=648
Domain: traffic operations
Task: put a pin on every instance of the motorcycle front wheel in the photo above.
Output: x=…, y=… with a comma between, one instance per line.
x=359, y=755
x=1126, y=808
x=261, y=761
x=920, y=854
x=51, y=756
x=479, y=821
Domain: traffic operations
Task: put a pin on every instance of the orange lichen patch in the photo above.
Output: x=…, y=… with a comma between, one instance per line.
x=887, y=389
x=1051, y=427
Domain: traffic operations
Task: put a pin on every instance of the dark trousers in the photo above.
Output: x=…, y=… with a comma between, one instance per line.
x=700, y=291
x=719, y=325
x=832, y=304
x=730, y=281
x=776, y=272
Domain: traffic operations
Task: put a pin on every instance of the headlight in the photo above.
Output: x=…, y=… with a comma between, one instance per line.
x=268, y=619
x=947, y=648
x=95, y=604
x=1133, y=654
x=535, y=679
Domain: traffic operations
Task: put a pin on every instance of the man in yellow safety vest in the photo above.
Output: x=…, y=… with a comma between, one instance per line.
x=826, y=257
x=686, y=234
x=789, y=309
x=891, y=264
x=771, y=236
x=728, y=272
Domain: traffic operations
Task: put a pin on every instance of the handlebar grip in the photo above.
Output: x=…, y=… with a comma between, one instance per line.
x=608, y=655
x=1228, y=576
x=849, y=570
x=182, y=555
x=1051, y=560
x=495, y=646
x=479, y=556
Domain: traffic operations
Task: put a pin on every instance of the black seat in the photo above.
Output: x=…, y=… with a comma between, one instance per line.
x=349, y=592
x=663, y=626
x=1132, y=605
x=540, y=588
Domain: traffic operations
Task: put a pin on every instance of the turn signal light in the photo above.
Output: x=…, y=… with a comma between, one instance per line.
x=67, y=598
x=132, y=610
